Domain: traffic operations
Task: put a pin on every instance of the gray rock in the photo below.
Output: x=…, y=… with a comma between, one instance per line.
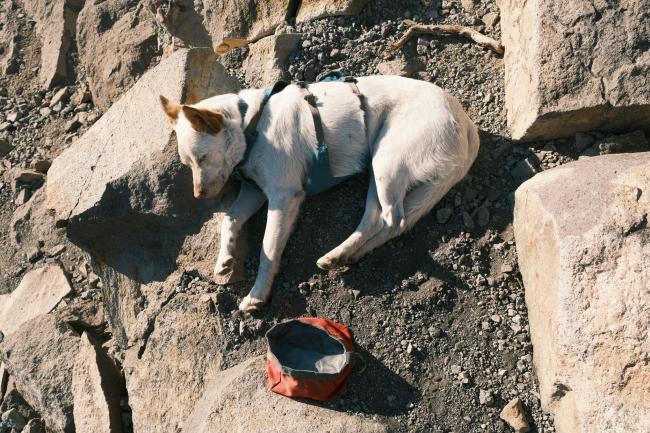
x=575, y=66
x=523, y=170
x=443, y=215
x=5, y=147
x=583, y=141
x=222, y=409
x=33, y=426
x=13, y=419
x=61, y=96
x=583, y=257
x=40, y=358
x=485, y=397
x=633, y=142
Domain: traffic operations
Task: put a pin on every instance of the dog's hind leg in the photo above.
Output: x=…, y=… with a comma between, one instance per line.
x=368, y=227
x=249, y=201
x=417, y=203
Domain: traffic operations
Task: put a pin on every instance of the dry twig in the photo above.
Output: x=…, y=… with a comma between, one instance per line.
x=444, y=29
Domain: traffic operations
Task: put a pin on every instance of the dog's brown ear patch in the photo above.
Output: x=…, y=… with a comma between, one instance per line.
x=171, y=109
x=210, y=122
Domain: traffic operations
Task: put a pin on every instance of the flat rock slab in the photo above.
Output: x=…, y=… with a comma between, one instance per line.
x=167, y=374
x=97, y=387
x=573, y=66
x=238, y=401
x=583, y=242
x=38, y=293
x=40, y=357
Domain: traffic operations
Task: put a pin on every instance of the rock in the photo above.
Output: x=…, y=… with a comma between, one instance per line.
x=38, y=293
x=72, y=125
x=61, y=96
x=4, y=378
x=182, y=20
x=583, y=141
x=82, y=95
x=9, y=61
x=574, y=67
x=55, y=23
x=583, y=257
x=401, y=67
x=514, y=414
x=5, y=147
x=490, y=19
x=485, y=398
x=267, y=59
x=136, y=189
x=13, y=419
x=235, y=23
x=443, y=215
x=33, y=426
x=315, y=9
x=468, y=5
x=117, y=43
x=41, y=165
x=222, y=408
x=523, y=170
x=22, y=177
x=168, y=373
x=97, y=387
x=40, y=358
x=632, y=142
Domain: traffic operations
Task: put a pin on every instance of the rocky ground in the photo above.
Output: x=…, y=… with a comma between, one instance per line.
x=438, y=313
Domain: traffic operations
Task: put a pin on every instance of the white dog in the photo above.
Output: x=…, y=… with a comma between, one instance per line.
x=413, y=138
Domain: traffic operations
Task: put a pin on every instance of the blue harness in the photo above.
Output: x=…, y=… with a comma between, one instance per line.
x=320, y=176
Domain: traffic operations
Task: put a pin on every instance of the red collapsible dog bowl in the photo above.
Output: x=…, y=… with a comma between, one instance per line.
x=309, y=357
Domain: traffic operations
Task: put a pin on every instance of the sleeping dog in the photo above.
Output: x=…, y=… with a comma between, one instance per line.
x=413, y=139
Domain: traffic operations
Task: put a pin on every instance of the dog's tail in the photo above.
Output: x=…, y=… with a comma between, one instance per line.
x=420, y=200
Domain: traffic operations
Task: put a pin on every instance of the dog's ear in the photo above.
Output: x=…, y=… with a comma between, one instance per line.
x=210, y=122
x=171, y=109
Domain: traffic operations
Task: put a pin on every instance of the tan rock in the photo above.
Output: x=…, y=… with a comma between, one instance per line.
x=4, y=380
x=40, y=357
x=267, y=59
x=234, y=23
x=514, y=414
x=401, y=67
x=238, y=401
x=97, y=386
x=55, y=23
x=167, y=374
x=584, y=252
x=38, y=293
x=314, y=9
x=117, y=44
x=575, y=66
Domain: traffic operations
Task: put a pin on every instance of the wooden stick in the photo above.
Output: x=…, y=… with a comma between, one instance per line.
x=444, y=29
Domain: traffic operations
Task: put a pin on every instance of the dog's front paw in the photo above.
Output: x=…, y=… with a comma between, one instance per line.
x=250, y=304
x=226, y=272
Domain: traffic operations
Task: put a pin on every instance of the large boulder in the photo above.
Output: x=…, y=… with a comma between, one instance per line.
x=234, y=23
x=168, y=373
x=38, y=293
x=583, y=243
x=238, y=401
x=267, y=59
x=55, y=24
x=125, y=197
x=575, y=66
x=97, y=387
x=313, y=9
x=40, y=357
x=117, y=43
